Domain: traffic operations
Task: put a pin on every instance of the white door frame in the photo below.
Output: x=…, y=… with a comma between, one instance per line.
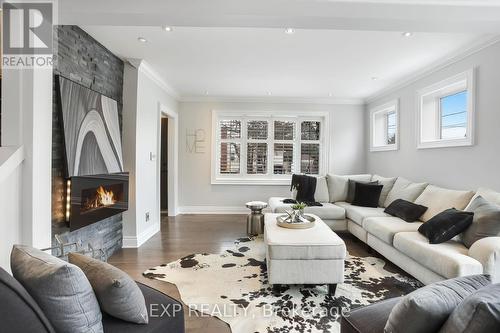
x=173, y=158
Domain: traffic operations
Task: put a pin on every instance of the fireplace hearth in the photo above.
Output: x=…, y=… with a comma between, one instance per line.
x=93, y=198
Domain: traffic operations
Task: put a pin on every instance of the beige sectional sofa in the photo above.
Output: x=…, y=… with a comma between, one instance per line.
x=398, y=240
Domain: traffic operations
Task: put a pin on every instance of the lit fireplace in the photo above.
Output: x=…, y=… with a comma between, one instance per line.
x=94, y=198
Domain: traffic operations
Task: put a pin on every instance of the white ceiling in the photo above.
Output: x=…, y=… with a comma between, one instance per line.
x=236, y=48
x=248, y=62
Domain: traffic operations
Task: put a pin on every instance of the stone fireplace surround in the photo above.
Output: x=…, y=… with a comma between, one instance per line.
x=82, y=59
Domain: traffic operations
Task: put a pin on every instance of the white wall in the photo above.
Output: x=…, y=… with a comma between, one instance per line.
x=197, y=194
x=26, y=129
x=10, y=202
x=143, y=96
x=459, y=167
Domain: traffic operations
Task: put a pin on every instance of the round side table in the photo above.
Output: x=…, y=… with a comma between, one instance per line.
x=255, y=221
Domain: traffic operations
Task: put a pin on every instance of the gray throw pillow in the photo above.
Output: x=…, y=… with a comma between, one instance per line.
x=351, y=190
x=486, y=221
x=478, y=313
x=388, y=184
x=60, y=289
x=426, y=309
x=118, y=295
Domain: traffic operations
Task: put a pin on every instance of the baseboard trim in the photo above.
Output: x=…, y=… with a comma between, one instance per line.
x=137, y=241
x=213, y=210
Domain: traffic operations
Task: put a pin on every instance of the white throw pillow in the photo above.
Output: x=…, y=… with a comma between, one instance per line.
x=489, y=195
x=404, y=189
x=321, y=193
x=388, y=184
x=438, y=199
x=338, y=185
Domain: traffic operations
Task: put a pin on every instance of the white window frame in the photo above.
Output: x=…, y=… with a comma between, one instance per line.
x=386, y=108
x=442, y=89
x=270, y=178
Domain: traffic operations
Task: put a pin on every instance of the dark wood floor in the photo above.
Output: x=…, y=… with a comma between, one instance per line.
x=188, y=234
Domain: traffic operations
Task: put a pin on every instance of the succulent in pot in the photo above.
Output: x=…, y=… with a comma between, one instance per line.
x=298, y=211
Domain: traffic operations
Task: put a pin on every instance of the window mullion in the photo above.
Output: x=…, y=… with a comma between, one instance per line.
x=297, y=147
x=244, y=148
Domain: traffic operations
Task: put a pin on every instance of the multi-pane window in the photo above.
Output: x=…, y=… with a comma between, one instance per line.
x=446, y=112
x=267, y=148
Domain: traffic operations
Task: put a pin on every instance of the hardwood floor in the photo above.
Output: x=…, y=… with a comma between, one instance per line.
x=187, y=234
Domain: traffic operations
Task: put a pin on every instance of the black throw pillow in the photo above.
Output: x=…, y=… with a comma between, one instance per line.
x=367, y=195
x=406, y=210
x=446, y=225
x=351, y=189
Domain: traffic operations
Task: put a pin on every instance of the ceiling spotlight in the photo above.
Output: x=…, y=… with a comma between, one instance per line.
x=206, y=93
x=167, y=28
x=407, y=34
x=269, y=93
x=142, y=39
x=330, y=94
x=374, y=78
x=289, y=31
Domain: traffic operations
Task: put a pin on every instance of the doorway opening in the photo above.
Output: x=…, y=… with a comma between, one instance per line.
x=164, y=166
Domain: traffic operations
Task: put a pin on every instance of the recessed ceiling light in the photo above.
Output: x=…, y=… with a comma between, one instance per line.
x=142, y=39
x=374, y=78
x=289, y=31
x=167, y=28
x=330, y=95
x=206, y=92
x=269, y=93
x=407, y=34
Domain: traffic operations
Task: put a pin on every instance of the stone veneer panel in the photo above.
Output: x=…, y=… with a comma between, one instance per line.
x=82, y=59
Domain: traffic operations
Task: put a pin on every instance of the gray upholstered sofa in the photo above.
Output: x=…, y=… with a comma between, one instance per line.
x=21, y=314
x=399, y=241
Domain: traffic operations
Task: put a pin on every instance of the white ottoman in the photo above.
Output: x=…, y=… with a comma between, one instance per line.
x=303, y=256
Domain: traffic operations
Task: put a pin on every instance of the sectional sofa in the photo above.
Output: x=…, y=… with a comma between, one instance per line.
x=398, y=240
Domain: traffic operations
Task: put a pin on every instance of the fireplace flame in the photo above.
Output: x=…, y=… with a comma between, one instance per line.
x=102, y=198
x=106, y=198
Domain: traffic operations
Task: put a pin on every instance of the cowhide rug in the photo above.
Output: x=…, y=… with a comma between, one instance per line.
x=233, y=287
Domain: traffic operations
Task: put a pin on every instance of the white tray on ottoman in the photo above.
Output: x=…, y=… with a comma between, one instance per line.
x=303, y=256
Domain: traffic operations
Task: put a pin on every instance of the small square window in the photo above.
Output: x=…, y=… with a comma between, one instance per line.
x=257, y=130
x=309, y=130
x=230, y=129
x=384, y=127
x=446, y=112
x=284, y=130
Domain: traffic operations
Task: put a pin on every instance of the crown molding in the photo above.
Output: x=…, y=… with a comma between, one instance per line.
x=272, y=99
x=150, y=72
x=451, y=59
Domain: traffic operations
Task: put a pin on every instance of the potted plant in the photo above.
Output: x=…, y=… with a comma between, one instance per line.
x=298, y=211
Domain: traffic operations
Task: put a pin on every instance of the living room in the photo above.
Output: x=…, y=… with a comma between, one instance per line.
x=264, y=166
